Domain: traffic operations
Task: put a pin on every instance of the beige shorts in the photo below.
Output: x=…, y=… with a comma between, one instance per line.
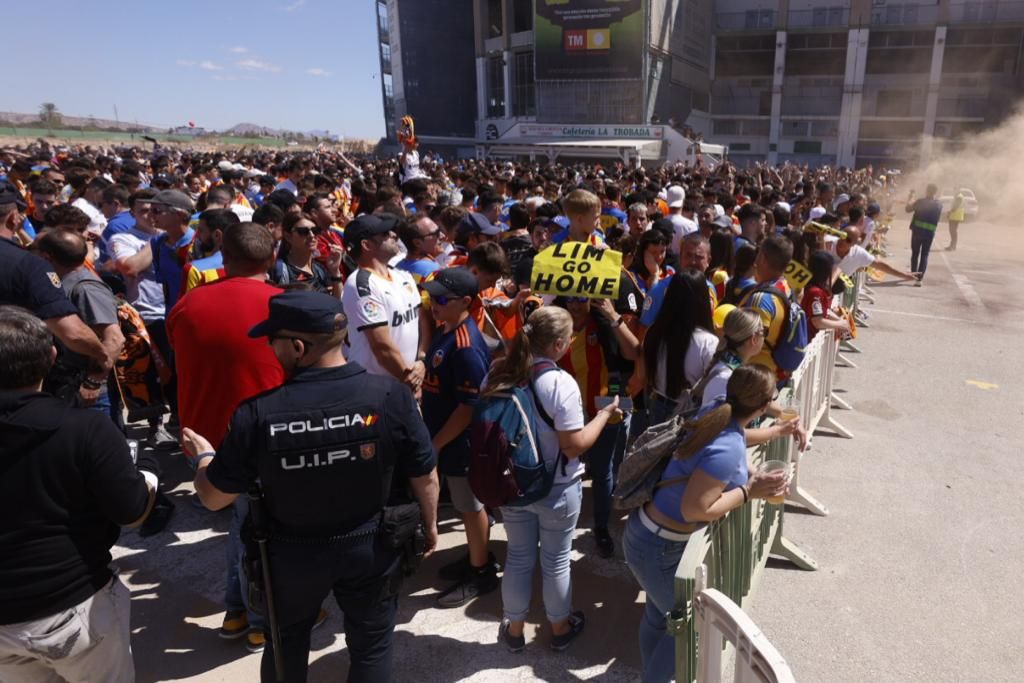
x=463, y=499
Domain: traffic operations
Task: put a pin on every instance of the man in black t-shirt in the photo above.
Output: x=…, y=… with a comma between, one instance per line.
x=67, y=482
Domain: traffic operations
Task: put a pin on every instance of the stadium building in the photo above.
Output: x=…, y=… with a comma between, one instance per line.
x=845, y=82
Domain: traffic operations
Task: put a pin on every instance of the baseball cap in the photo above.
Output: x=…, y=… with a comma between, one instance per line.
x=302, y=310
x=9, y=195
x=476, y=222
x=174, y=199
x=817, y=212
x=722, y=221
x=453, y=282
x=874, y=209
x=675, y=195
x=369, y=225
x=841, y=199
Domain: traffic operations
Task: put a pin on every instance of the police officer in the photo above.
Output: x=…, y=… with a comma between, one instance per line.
x=28, y=281
x=325, y=448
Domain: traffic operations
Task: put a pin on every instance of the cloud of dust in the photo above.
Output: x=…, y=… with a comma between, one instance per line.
x=985, y=162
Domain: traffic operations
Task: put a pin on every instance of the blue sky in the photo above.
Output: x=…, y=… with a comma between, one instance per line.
x=294, y=64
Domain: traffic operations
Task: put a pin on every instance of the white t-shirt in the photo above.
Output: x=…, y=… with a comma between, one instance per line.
x=699, y=355
x=287, y=184
x=869, y=229
x=681, y=227
x=411, y=168
x=857, y=258
x=559, y=394
x=372, y=301
x=144, y=292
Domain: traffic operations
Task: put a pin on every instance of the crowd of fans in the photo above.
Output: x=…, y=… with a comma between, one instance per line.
x=171, y=255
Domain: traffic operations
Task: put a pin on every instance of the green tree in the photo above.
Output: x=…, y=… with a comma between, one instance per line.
x=50, y=115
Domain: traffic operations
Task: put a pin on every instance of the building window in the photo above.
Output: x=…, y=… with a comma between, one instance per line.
x=495, y=19
x=893, y=103
x=524, y=93
x=495, y=88
x=383, y=23
x=385, y=56
x=388, y=86
x=807, y=147
x=759, y=18
x=522, y=16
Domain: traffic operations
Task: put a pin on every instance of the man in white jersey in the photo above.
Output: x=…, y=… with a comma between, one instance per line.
x=386, y=331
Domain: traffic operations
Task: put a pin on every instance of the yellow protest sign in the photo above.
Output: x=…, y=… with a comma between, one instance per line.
x=577, y=269
x=846, y=280
x=796, y=275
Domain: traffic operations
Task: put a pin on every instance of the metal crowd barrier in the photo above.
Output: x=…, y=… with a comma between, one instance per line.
x=811, y=385
x=735, y=550
x=721, y=621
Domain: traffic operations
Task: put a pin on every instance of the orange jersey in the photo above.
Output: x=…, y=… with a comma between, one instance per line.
x=585, y=361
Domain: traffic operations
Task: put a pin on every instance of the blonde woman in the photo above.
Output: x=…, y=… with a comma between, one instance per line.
x=713, y=458
x=562, y=437
x=742, y=339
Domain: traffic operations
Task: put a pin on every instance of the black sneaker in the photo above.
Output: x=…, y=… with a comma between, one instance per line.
x=454, y=571
x=478, y=582
x=604, y=543
x=576, y=623
x=513, y=643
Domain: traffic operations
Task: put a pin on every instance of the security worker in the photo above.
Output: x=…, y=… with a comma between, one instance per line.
x=28, y=281
x=324, y=448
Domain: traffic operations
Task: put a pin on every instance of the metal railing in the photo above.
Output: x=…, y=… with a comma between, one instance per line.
x=905, y=15
x=735, y=550
x=989, y=12
x=748, y=20
x=820, y=17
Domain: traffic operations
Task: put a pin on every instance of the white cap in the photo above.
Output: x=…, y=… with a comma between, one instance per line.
x=784, y=205
x=675, y=196
x=817, y=212
x=535, y=202
x=841, y=199
x=225, y=165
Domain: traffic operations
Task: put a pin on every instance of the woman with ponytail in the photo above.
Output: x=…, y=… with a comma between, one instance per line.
x=562, y=437
x=711, y=478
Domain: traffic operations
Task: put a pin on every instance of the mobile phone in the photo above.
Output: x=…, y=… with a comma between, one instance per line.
x=625, y=402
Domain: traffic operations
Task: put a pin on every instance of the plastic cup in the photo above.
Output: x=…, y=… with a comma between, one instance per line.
x=774, y=466
x=790, y=410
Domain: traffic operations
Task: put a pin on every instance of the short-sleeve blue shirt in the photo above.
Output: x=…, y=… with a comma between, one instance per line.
x=457, y=363
x=724, y=459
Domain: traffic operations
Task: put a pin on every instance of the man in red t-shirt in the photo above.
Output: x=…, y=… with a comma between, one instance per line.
x=219, y=366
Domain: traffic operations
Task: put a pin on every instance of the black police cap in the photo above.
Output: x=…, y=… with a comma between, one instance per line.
x=369, y=225
x=299, y=310
x=9, y=195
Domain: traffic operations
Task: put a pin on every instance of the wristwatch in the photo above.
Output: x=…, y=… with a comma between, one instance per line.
x=619, y=322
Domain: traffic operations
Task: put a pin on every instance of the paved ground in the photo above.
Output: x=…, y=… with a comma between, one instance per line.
x=919, y=557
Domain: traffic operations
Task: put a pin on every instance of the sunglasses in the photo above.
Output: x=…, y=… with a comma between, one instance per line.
x=306, y=232
x=432, y=233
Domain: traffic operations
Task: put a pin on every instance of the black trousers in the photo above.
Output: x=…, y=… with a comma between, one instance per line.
x=364, y=577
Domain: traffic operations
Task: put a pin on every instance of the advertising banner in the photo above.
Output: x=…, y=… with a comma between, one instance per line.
x=589, y=39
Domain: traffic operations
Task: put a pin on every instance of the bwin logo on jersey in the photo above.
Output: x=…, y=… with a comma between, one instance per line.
x=411, y=313
x=327, y=424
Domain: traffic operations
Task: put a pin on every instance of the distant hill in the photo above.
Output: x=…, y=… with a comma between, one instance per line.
x=18, y=119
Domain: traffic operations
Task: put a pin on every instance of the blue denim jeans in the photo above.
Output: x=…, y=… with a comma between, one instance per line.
x=235, y=594
x=551, y=523
x=602, y=461
x=653, y=561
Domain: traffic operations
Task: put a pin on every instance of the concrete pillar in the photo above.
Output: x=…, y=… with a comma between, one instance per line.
x=778, y=76
x=506, y=61
x=931, y=105
x=853, y=93
x=481, y=89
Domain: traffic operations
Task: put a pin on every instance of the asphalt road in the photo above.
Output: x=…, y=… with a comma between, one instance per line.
x=919, y=557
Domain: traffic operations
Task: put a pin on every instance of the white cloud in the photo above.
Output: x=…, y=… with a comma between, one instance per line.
x=254, y=64
x=291, y=7
x=238, y=50
x=185, y=62
x=207, y=65
x=317, y=71
x=224, y=77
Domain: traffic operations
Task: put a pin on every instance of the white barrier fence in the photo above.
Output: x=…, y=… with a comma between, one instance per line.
x=720, y=622
x=811, y=384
